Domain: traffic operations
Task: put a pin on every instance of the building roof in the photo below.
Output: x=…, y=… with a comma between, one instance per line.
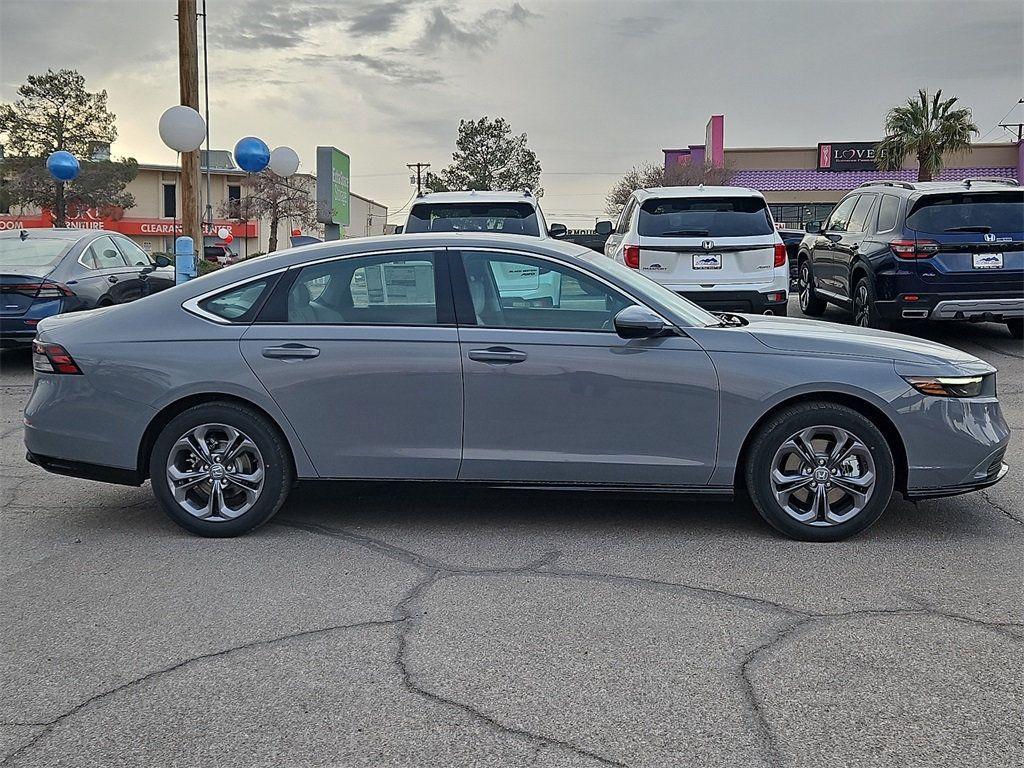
x=801, y=179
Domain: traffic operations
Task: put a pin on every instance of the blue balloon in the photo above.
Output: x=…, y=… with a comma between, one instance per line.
x=63, y=166
x=252, y=154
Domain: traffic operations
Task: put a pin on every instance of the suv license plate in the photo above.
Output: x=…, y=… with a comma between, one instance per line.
x=988, y=261
x=707, y=261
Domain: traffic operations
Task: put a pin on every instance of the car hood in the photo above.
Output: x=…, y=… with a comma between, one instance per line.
x=813, y=336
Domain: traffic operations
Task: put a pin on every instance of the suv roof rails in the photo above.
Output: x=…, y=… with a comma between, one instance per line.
x=992, y=180
x=887, y=183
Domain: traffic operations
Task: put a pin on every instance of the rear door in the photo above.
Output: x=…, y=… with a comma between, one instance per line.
x=847, y=247
x=689, y=241
x=362, y=355
x=106, y=274
x=824, y=258
x=978, y=238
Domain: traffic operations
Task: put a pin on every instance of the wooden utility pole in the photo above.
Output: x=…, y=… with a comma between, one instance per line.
x=188, y=80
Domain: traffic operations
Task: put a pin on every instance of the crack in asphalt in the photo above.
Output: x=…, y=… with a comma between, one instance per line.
x=992, y=503
x=49, y=725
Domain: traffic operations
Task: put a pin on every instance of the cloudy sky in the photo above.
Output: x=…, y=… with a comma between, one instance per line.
x=598, y=86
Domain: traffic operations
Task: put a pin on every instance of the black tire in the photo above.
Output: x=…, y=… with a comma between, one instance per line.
x=277, y=467
x=865, y=309
x=811, y=304
x=1016, y=327
x=783, y=425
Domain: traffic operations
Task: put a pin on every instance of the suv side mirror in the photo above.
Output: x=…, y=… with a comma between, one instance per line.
x=603, y=228
x=638, y=322
x=161, y=260
x=558, y=230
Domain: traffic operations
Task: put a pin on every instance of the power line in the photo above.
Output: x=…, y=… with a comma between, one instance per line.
x=1000, y=120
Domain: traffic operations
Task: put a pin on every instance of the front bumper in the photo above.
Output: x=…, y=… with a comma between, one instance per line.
x=991, y=478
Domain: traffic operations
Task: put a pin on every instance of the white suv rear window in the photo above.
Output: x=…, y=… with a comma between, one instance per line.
x=704, y=217
x=499, y=218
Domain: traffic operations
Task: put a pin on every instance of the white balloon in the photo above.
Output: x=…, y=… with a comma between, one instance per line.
x=223, y=232
x=182, y=129
x=284, y=162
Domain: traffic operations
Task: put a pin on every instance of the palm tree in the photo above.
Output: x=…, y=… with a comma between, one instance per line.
x=928, y=128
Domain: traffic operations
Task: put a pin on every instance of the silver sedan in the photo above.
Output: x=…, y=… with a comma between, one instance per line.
x=504, y=361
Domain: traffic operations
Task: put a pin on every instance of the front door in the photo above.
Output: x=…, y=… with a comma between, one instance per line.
x=824, y=261
x=553, y=394
x=362, y=355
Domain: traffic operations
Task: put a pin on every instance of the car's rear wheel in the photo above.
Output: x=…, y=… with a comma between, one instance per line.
x=820, y=471
x=1016, y=327
x=865, y=311
x=220, y=469
x=811, y=304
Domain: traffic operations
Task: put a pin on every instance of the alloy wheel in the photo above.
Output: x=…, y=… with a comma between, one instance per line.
x=823, y=476
x=862, y=306
x=215, y=472
x=804, y=286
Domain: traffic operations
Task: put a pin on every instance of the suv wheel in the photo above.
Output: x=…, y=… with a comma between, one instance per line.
x=811, y=304
x=220, y=469
x=820, y=471
x=1016, y=327
x=865, y=311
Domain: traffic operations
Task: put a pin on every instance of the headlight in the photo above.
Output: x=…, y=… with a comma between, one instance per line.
x=948, y=386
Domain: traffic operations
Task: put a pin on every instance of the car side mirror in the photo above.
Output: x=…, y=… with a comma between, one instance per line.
x=813, y=227
x=161, y=261
x=558, y=230
x=603, y=228
x=638, y=322
x=399, y=229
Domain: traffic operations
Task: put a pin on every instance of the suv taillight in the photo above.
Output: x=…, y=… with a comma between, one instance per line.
x=780, y=254
x=914, y=249
x=53, y=358
x=631, y=255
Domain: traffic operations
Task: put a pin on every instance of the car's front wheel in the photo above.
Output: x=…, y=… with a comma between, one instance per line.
x=811, y=304
x=220, y=469
x=820, y=471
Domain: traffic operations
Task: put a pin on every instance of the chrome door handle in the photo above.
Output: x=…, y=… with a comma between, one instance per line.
x=291, y=352
x=497, y=355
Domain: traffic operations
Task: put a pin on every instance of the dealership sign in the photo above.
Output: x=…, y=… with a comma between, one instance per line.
x=333, y=196
x=847, y=156
x=127, y=226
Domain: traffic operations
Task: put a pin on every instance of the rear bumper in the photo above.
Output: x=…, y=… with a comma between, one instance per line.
x=100, y=472
x=978, y=309
x=749, y=302
x=954, y=306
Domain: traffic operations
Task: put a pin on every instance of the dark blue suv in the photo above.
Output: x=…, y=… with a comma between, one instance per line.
x=892, y=251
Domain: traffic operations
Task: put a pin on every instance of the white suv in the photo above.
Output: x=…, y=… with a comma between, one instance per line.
x=716, y=246
x=510, y=213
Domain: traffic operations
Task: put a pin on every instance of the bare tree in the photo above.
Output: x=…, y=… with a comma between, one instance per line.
x=648, y=175
x=267, y=195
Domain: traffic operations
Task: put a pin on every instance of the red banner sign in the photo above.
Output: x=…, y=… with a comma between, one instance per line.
x=128, y=226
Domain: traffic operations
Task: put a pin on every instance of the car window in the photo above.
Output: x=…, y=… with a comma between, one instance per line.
x=705, y=217
x=840, y=217
x=504, y=218
x=237, y=304
x=996, y=212
x=135, y=255
x=32, y=251
x=888, y=210
x=859, y=217
x=372, y=290
x=623, y=224
x=103, y=254
x=515, y=291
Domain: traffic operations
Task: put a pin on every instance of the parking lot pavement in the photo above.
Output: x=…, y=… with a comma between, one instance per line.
x=378, y=627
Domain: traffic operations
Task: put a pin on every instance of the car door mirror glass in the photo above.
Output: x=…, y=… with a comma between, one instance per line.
x=161, y=260
x=638, y=322
x=603, y=228
x=558, y=230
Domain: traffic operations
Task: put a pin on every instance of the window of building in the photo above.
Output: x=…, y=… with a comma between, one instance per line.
x=374, y=290
x=513, y=291
x=234, y=200
x=170, y=206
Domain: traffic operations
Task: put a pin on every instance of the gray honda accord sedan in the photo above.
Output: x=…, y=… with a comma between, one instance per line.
x=503, y=361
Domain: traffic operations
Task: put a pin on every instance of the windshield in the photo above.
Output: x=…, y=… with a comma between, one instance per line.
x=32, y=252
x=705, y=217
x=645, y=287
x=969, y=211
x=506, y=218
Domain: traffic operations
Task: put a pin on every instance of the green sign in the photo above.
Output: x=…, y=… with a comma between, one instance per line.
x=332, y=186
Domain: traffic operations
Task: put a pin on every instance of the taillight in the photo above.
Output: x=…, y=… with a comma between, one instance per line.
x=780, y=254
x=44, y=290
x=53, y=358
x=914, y=249
x=631, y=255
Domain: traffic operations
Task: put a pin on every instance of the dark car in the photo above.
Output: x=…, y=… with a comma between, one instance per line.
x=46, y=272
x=792, y=238
x=219, y=254
x=892, y=251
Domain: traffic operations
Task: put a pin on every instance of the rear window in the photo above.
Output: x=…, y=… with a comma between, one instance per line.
x=507, y=218
x=705, y=217
x=238, y=304
x=969, y=212
x=32, y=252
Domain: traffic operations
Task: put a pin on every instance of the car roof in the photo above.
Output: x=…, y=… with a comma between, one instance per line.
x=699, y=190
x=474, y=196
x=941, y=187
x=53, y=233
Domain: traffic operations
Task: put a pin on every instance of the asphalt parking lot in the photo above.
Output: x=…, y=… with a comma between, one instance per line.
x=374, y=627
